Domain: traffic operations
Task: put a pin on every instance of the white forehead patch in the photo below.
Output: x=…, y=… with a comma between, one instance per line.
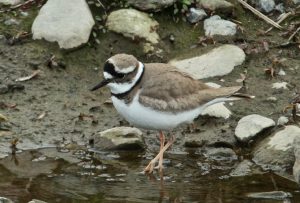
x=107, y=75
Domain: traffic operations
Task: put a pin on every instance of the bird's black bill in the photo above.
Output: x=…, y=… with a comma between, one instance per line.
x=101, y=84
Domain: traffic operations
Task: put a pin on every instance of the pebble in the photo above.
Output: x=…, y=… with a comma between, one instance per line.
x=280, y=85
x=282, y=120
x=266, y=6
x=217, y=26
x=11, y=22
x=195, y=15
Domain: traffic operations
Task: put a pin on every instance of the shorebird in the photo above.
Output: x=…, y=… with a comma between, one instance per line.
x=157, y=96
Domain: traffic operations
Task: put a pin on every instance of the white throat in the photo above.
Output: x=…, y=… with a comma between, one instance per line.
x=119, y=88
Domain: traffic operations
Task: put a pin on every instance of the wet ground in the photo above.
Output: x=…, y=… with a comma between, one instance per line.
x=56, y=109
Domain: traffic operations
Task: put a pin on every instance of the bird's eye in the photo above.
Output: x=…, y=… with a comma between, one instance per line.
x=120, y=75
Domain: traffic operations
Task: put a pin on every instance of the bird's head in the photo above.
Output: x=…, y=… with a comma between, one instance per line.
x=120, y=71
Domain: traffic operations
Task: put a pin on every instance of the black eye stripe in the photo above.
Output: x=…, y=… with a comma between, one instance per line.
x=109, y=68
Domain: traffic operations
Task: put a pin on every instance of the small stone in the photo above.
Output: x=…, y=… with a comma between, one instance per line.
x=296, y=1
x=133, y=24
x=3, y=89
x=249, y=126
x=120, y=138
x=275, y=195
x=265, y=6
x=11, y=22
x=25, y=14
x=148, y=48
x=195, y=15
x=5, y=200
x=280, y=8
x=280, y=85
x=217, y=6
x=217, y=26
x=10, y=2
x=220, y=154
x=282, y=120
x=272, y=99
x=151, y=5
x=281, y=72
x=36, y=201
x=242, y=169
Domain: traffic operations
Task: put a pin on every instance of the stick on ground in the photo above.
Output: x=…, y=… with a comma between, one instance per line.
x=259, y=14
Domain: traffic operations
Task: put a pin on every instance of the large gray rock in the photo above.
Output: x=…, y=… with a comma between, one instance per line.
x=119, y=138
x=249, y=126
x=152, y=5
x=133, y=24
x=296, y=167
x=217, y=6
x=277, y=151
x=217, y=26
x=10, y=2
x=68, y=22
x=218, y=62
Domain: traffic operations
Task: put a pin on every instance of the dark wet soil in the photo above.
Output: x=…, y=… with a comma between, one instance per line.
x=56, y=109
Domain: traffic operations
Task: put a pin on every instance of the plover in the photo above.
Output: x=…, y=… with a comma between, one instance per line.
x=157, y=96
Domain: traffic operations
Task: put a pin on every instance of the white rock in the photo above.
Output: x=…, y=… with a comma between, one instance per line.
x=217, y=26
x=280, y=85
x=195, y=15
x=36, y=201
x=218, y=62
x=282, y=120
x=132, y=23
x=249, y=126
x=218, y=110
x=283, y=140
x=281, y=72
x=10, y=2
x=68, y=22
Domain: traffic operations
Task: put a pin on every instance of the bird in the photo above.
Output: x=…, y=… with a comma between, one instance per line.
x=158, y=96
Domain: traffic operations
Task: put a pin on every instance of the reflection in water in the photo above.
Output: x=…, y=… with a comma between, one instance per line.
x=103, y=178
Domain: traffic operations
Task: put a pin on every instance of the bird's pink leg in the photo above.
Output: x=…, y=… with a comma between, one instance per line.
x=162, y=143
x=150, y=167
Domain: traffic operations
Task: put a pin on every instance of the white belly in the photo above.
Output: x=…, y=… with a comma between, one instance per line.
x=147, y=118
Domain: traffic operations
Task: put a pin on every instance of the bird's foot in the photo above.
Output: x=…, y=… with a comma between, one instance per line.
x=149, y=168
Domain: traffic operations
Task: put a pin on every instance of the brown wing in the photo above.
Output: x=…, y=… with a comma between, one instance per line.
x=167, y=89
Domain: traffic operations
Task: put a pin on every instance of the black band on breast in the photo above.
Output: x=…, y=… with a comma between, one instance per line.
x=124, y=94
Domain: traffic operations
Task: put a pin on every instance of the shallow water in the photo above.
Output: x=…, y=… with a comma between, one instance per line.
x=116, y=177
